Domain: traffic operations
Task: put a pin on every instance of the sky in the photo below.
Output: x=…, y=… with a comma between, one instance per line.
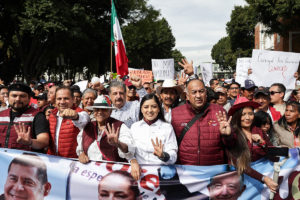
x=196, y=24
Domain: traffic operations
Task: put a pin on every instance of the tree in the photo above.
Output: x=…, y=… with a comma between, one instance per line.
x=240, y=39
x=36, y=33
x=177, y=55
x=148, y=37
x=279, y=16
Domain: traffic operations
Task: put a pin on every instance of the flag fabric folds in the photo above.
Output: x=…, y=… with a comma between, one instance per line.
x=117, y=39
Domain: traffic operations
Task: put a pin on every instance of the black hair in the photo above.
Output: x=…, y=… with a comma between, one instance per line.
x=280, y=86
x=211, y=95
x=62, y=87
x=212, y=81
x=148, y=97
x=282, y=121
x=133, y=184
x=32, y=160
x=262, y=118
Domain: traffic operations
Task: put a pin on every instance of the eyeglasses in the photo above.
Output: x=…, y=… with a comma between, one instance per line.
x=273, y=92
x=234, y=88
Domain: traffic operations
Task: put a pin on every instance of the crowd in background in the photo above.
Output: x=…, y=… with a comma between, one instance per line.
x=164, y=122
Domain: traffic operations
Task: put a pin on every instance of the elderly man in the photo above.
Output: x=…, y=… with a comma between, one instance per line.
x=200, y=134
x=224, y=186
x=127, y=112
x=88, y=97
x=26, y=179
x=66, y=121
x=277, y=92
x=22, y=126
x=169, y=92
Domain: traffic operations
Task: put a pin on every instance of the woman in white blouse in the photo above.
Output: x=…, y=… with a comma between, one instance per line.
x=153, y=138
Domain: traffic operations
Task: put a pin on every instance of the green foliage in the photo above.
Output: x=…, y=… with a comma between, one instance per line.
x=37, y=32
x=240, y=39
x=146, y=38
x=280, y=16
x=177, y=55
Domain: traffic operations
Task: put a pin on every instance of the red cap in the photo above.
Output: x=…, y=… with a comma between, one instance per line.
x=127, y=83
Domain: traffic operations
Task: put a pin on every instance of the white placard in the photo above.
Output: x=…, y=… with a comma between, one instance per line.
x=242, y=66
x=207, y=72
x=270, y=67
x=163, y=69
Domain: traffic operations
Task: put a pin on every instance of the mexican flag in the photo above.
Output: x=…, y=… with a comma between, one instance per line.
x=117, y=39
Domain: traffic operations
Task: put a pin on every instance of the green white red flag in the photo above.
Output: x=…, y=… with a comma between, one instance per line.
x=117, y=39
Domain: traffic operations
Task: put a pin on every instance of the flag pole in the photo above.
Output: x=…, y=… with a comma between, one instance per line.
x=111, y=56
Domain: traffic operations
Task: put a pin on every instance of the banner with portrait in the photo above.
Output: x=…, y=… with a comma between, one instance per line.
x=27, y=175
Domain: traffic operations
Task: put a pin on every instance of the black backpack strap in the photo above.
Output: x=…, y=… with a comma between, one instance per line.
x=190, y=124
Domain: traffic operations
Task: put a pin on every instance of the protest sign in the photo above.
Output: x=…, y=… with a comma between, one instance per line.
x=163, y=69
x=242, y=66
x=207, y=72
x=145, y=75
x=270, y=67
x=68, y=179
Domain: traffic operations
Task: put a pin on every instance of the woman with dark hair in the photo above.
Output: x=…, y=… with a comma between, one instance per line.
x=154, y=139
x=264, y=121
x=251, y=143
x=118, y=185
x=286, y=130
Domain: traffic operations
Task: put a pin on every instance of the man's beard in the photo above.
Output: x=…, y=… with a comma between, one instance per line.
x=19, y=109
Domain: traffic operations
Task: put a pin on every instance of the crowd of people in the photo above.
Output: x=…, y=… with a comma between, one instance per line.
x=164, y=122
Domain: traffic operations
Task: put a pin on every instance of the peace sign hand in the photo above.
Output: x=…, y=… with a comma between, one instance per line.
x=225, y=128
x=158, y=148
x=23, y=134
x=112, y=135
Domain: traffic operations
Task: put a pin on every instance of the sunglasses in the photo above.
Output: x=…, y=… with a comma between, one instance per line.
x=273, y=92
x=131, y=87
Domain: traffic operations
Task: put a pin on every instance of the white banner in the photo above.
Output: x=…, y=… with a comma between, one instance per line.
x=270, y=67
x=163, y=69
x=242, y=66
x=207, y=72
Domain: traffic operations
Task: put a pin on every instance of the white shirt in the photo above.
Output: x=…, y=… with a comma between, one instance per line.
x=129, y=113
x=142, y=134
x=94, y=152
x=167, y=115
x=83, y=119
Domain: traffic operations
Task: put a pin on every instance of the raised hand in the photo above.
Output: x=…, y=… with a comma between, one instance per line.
x=225, y=128
x=187, y=67
x=23, y=134
x=158, y=148
x=136, y=81
x=69, y=114
x=112, y=135
x=182, y=79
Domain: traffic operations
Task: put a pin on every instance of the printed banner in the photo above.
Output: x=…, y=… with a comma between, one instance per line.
x=242, y=66
x=145, y=75
x=27, y=175
x=207, y=72
x=270, y=67
x=163, y=69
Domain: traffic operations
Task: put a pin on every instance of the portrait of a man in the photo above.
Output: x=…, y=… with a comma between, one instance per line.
x=26, y=179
